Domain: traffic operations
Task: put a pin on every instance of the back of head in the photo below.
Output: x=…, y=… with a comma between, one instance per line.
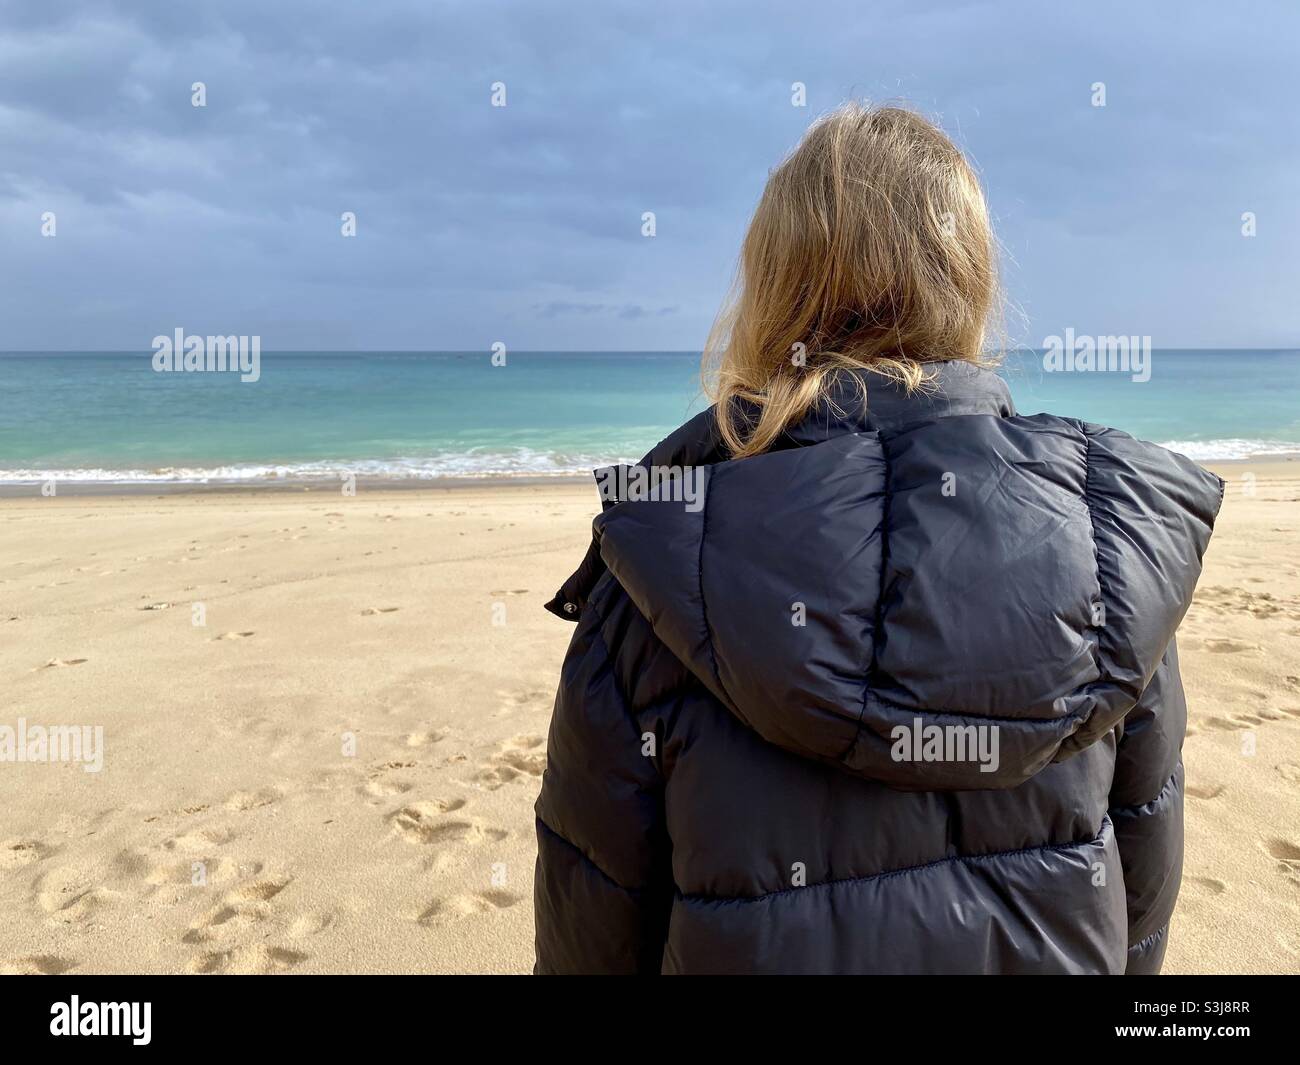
x=871, y=248
x=963, y=572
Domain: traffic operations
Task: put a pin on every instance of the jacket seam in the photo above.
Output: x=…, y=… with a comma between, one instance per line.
x=964, y=715
x=704, y=610
x=586, y=858
x=1096, y=545
x=1103, y=679
x=891, y=873
x=878, y=624
x=1147, y=942
x=630, y=711
x=1138, y=809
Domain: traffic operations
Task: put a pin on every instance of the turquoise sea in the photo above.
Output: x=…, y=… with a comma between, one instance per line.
x=109, y=417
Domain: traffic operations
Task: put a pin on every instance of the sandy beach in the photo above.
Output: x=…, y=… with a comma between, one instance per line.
x=334, y=771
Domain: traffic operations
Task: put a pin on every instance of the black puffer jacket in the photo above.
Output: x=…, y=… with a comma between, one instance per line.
x=901, y=697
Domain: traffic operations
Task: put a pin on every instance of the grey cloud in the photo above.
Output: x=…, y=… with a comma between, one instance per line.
x=475, y=222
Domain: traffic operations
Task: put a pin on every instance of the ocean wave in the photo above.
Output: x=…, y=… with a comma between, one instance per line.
x=1231, y=448
x=521, y=462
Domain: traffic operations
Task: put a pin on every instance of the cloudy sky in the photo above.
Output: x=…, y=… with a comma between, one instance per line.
x=523, y=224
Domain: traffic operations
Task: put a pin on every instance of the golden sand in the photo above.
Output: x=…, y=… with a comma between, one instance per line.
x=335, y=770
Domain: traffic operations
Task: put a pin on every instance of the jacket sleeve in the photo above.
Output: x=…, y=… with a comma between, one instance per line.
x=603, y=888
x=1146, y=809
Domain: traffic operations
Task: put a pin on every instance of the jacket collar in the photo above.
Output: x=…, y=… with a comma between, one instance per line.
x=865, y=401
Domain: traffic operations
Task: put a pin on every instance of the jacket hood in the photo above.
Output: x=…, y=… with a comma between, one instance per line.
x=935, y=593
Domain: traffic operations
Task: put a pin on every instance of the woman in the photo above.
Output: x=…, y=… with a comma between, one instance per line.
x=900, y=694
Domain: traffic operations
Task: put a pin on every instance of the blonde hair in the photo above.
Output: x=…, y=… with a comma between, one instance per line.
x=870, y=248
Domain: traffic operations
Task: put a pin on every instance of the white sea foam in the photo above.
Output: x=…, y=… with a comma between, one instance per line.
x=520, y=462
x=1233, y=448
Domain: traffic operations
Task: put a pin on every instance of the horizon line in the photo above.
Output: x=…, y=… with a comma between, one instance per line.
x=521, y=351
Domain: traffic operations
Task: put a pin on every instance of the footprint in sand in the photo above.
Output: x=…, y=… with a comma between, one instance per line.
x=1241, y=601
x=1284, y=851
x=259, y=890
x=1287, y=856
x=536, y=699
x=426, y=810
x=222, y=920
x=518, y=758
x=258, y=959
x=423, y=739
x=199, y=840
x=370, y=611
x=310, y=924
x=234, y=636
x=191, y=857
x=243, y=801
x=1205, y=791
x=17, y=852
x=1289, y=771
x=71, y=896
x=55, y=663
x=36, y=965
x=471, y=833
x=1233, y=722
x=240, y=910
x=424, y=823
x=207, y=871
x=1232, y=647
x=445, y=911
x=379, y=788
x=1205, y=885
